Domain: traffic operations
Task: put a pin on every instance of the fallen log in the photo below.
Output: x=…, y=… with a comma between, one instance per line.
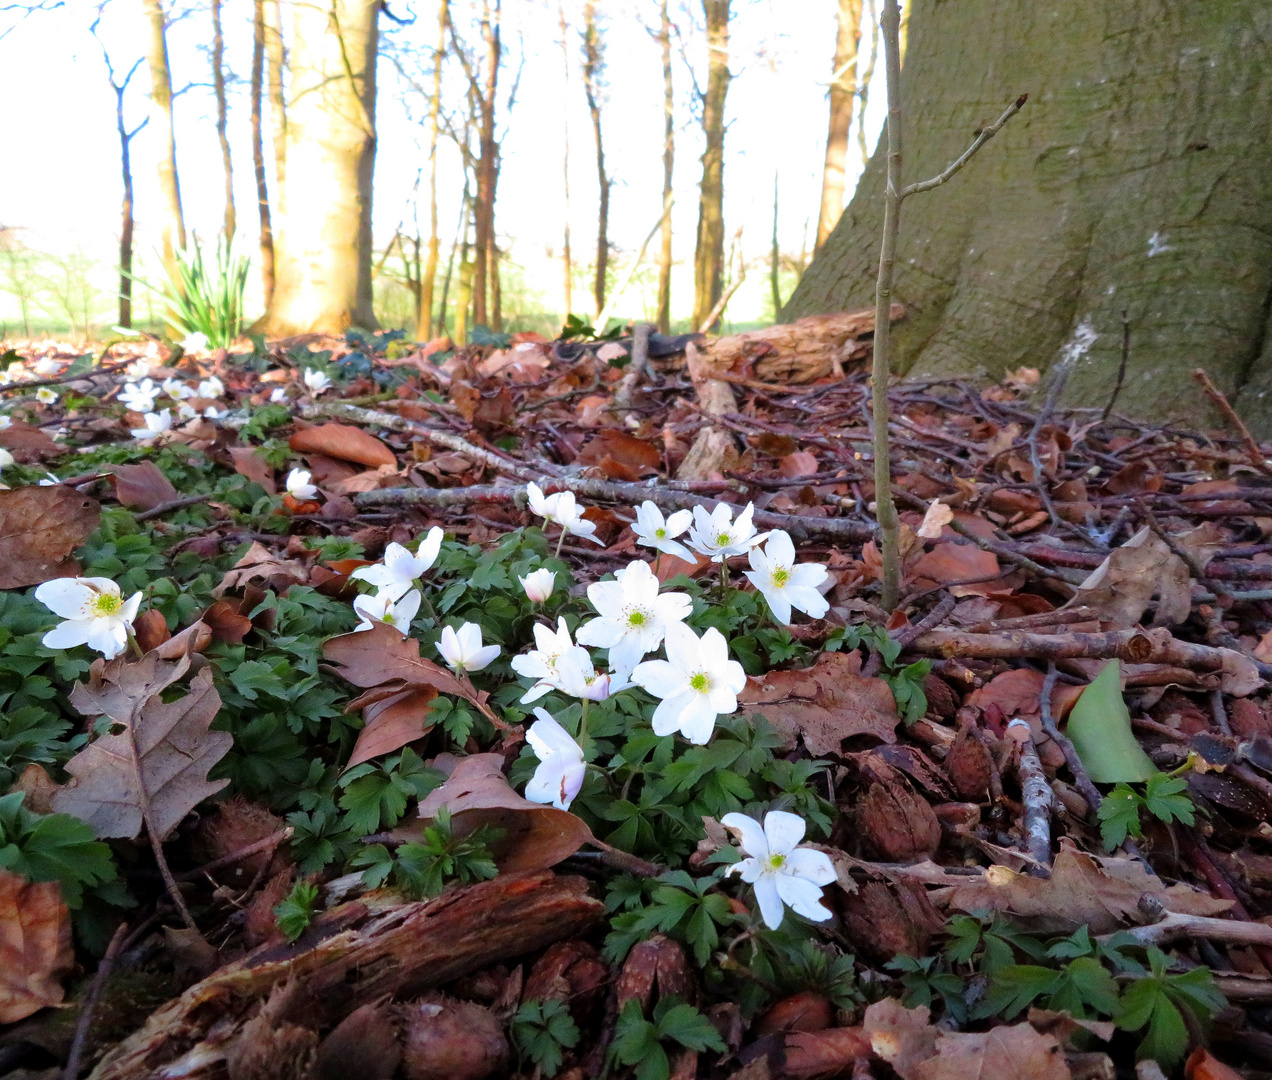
x=358, y=952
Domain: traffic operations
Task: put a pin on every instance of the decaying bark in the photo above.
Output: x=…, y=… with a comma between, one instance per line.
x=356, y=953
x=713, y=450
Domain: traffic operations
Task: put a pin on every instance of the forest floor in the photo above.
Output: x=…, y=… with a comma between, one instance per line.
x=360, y=889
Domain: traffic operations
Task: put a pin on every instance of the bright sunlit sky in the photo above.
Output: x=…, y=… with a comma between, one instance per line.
x=61, y=183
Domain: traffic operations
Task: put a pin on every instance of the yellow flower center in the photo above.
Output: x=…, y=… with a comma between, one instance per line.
x=776, y=861
x=661, y=534
x=107, y=604
x=637, y=618
x=701, y=682
x=781, y=576
x=722, y=539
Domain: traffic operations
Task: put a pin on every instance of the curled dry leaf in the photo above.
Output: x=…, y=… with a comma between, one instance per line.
x=819, y=1053
x=1016, y=1051
x=155, y=771
x=477, y=793
x=35, y=946
x=29, y=444
x=826, y=703
x=1123, y=585
x=39, y=528
x=934, y=521
x=392, y=722
x=249, y=463
x=258, y=563
x=902, y=1037
x=342, y=441
x=655, y=962
x=620, y=456
x=1203, y=1065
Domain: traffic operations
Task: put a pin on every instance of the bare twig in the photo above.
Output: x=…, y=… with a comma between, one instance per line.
x=1121, y=368
x=268, y=843
x=1081, y=778
x=1230, y=931
x=172, y=504
x=1059, y=377
x=82, y=1026
x=1035, y=793
x=1253, y=451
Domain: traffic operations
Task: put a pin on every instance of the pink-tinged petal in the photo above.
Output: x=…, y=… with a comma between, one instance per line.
x=784, y=831
x=814, y=866
x=659, y=678
x=766, y=895
x=607, y=598
x=545, y=785
x=482, y=658
x=666, y=718
x=780, y=549
x=68, y=598
x=802, y=897
x=697, y=719
x=67, y=635
x=108, y=636
x=750, y=834
x=603, y=633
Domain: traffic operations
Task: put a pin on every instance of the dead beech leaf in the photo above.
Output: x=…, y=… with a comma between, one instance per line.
x=1123, y=585
x=826, y=703
x=29, y=444
x=259, y=563
x=948, y=562
x=938, y=515
x=142, y=486
x=1203, y=1065
x=368, y=480
x=392, y=723
x=165, y=750
x=342, y=441
x=477, y=793
x=248, y=463
x=37, y=788
x=39, y=528
x=620, y=456
x=799, y=463
x=35, y=946
x=1104, y=893
x=1016, y=1051
x=902, y=1037
x=227, y=622
x=821, y=1053
x=1017, y=693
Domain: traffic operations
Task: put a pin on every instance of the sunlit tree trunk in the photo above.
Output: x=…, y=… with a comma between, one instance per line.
x=708, y=260
x=593, y=65
x=276, y=53
x=567, y=269
x=258, y=152
x=867, y=76
x=669, y=158
x=424, y=320
x=323, y=250
x=222, y=118
x=487, y=168
x=173, y=229
x=842, y=95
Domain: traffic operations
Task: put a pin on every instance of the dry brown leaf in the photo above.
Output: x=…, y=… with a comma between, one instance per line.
x=937, y=516
x=260, y=564
x=368, y=480
x=1123, y=585
x=162, y=757
x=1017, y=693
x=948, y=562
x=342, y=441
x=28, y=444
x=821, y=1053
x=227, y=622
x=38, y=789
x=477, y=793
x=826, y=703
x=142, y=486
x=1104, y=893
x=1203, y=1065
x=39, y=528
x=35, y=946
x=1063, y=1025
x=902, y=1037
x=392, y=723
x=249, y=463
x=799, y=463
x=620, y=456
x=1016, y=1051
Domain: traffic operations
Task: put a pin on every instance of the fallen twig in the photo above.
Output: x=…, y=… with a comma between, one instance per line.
x=1081, y=778
x=88, y=1007
x=1253, y=451
x=1035, y=793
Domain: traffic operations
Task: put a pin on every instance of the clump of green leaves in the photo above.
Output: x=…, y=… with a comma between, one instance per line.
x=680, y=906
x=52, y=847
x=925, y=979
x=296, y=910
x=1164, y=798
x=542, y=1031
x=422, y=868
x=1160, y=1000
x=905, y=681
x=639, y=1042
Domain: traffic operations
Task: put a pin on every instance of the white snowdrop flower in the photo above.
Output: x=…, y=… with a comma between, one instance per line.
x=6, y=458
x=211, y=388
x=697, y=683
x=93, y=611
x=633, y=616
x=561, y=769
x=462, y=649
x=278, y=396
x=176, y=389
x=316, y=380
x=400, y=569
x=784, y=584
x=186, y=411
x=561, y=508
x=299, y=487
x=780, y=871
x=538, y=585
x=195, y=342
x=381, y=607
x=576, y=676
x=156, y=424
x=541, y=663
x=717, y=536
x=139, y=397
x=46, y=395
x=652, y=531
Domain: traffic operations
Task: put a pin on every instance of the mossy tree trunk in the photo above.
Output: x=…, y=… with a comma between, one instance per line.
x=1136, y=179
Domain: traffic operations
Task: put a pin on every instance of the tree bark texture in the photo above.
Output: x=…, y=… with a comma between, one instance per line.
x=276, y=52
x=258, y=152
x=323, y=250
x=424, y=322
x=708, y=259
x=487, y=168
x=669, y=160
x=222, y=119
x=842, y=95
x=1135, y=180
x=173, y=228
x=593, y=63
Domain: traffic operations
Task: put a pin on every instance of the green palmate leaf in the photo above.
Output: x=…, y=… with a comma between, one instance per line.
x=52, y=847
x=1100, y=728
x=1163, y=799
x=296, y=911
x=1119, y=816
x=1158, y=1002
x=541, y=1031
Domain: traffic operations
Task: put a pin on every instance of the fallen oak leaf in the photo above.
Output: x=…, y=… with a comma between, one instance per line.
x=902, y=1037
x=35, y=946
x=1016, y=1051
x=1123, y=585
x=342, y=441
x=39, y=528
x=258, y=562
x=142, y=486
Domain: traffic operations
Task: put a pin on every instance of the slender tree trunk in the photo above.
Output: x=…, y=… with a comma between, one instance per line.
x=486, y=165
x=222, y=119
x=174, y=235
x=863, y=87
x=424, y=322
x=842, y=95
x=496, y=291
x=593, y=66
x=775, y=259
x=708, y=262
x=277, y=56
x=669, y=158
x=567, y=269
x=323, y=252
x=126, y=208
x=450, y=262
x=258, y=152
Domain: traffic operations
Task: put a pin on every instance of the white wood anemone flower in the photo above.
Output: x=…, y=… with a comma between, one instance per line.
x=46, y=395
x=400, y=570
x=93, y=611
x=538, y=585
x=561, y=508
x=176, y=389
x=462, y=649
x=156, y=424
x=211, y=387
x=299, y=487
x=780, y=871
x=653, y=531
x=559, y=776
x=541, y=663
x=576, y=676
x=317, y=381
x=139, y=397
x=697, y=683
x=397, y=611
x=785, y=584
x=717, y=536
x=633, y=616
x=195, y=342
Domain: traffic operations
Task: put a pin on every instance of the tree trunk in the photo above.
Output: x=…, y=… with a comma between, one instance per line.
x=669, y=158
x=708, y=259
x=323, y=251
x=276, y=53
x=126, y=208
x=593, y=65
x=258, y=152
x=487, y=173
x=173, y=229
x=424, y=323
x=1135, y=179
x=775, y=258
x=222, y=111
x=842, y=95
x=567, y=269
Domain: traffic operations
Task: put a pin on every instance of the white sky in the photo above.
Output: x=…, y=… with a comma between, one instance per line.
x=61, y=181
